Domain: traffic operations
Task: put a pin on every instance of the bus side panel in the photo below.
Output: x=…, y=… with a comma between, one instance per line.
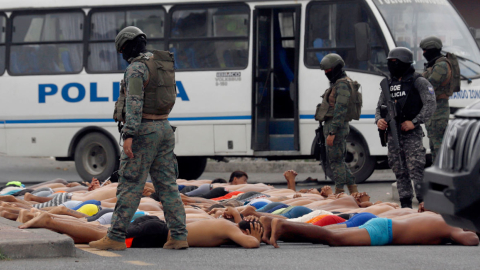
x=230, y=139
x=194, y=140
x=3, y=138
x=51, y=141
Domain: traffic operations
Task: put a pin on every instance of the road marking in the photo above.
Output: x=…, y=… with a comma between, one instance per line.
x=98, y=252
x=139, y=263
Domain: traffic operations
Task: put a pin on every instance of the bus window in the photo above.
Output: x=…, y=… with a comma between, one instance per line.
x=105, y=26
x=330, y=29
x=217, y=37
x=3, y=30
x=39, y=43
x=410, y=22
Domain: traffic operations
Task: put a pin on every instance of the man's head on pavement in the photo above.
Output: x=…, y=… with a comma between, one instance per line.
x=238, y=178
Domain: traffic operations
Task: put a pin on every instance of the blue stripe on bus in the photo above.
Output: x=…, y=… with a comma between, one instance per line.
x=108, y=120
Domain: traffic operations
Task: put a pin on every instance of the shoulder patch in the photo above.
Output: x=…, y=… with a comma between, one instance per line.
x=430, y=89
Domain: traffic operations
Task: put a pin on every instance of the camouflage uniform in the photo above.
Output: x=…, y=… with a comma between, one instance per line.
x=408, y=162
x=336, y=123
x=439, y=76
x=152, y=147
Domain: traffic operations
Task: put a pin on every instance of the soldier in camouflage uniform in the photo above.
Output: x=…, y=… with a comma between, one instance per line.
x=149, y=142
x=439, y=73
x=333, y=112
x=415, y=101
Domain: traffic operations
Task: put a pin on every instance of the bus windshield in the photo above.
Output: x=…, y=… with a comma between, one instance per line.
x=411, y=21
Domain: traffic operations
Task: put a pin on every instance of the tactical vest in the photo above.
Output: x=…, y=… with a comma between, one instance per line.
x=160, y=91
x=452, y=83
x=119, y=112
x=354, y=107
x=407, y=98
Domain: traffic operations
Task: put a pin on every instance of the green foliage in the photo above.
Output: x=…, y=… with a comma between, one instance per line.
x=3, y=257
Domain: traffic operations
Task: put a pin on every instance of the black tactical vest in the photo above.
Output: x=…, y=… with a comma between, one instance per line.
x=407, y=98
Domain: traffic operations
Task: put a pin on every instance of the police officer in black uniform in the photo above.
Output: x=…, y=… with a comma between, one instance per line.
x=415, y=103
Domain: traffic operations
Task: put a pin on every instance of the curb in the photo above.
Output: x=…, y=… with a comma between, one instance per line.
x=33, y=243
x=264, y=167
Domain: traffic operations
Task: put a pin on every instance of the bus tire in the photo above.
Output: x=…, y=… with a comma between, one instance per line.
x=191, y=167
x=95, y=156
x=358, y=158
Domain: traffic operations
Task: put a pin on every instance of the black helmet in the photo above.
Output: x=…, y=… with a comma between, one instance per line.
x=401, y=53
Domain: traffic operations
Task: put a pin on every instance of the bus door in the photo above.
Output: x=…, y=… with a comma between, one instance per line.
x=275, y=119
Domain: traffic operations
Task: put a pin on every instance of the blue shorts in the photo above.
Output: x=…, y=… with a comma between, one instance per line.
x=380, y=231
x=359, y=219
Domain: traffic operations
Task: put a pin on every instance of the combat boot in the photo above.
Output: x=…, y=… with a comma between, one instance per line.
x=339, y=190
x=406, y=202
x=175, y=244
x=107, y=243
x=352, y=189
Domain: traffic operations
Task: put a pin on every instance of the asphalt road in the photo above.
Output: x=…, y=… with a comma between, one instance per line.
x=288, y=256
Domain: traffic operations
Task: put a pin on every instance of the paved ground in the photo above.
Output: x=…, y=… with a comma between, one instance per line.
x=289, y=256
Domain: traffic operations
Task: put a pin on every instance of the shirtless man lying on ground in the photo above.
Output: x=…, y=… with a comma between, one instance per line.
x=204, y=233
x=427, y=229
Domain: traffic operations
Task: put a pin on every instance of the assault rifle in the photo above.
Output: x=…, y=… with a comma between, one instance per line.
x=322, y=149
x=390, y=114
x=383, y=133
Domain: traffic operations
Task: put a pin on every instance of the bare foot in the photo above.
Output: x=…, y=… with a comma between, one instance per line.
x=277, y=231
x=267, y=229
x=37, y=222
x=8, y=198
x=8, y=215
x=10, y=208
x=25, y=216
x=58, y=210
x=30, y=197
x=326, y=191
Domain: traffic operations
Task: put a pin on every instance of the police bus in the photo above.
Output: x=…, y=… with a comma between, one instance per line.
x=248, y=76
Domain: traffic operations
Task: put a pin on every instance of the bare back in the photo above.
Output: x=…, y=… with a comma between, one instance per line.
x=209, y=233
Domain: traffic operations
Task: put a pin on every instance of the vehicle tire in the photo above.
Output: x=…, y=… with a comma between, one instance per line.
x=358, y=158
x=191, y=167
x=95, y=156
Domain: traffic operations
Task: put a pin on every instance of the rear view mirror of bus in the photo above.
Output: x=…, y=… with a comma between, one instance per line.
x=362, y=41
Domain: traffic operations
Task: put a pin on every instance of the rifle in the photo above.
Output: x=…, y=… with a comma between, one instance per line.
x=391, y=114
x=383, y=133
x=322, y=156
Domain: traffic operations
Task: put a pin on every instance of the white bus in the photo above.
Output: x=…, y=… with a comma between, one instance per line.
x=248, y=74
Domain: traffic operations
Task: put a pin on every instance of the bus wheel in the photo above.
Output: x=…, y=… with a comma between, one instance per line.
x=191, y=167
x=95, y=156
x=358, y=159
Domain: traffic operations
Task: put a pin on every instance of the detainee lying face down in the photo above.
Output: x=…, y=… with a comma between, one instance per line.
x=238, y=178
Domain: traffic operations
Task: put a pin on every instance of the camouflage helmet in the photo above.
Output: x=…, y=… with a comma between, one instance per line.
x=128, y=33
x=431, y=43
x=331, y=60
x=401, y=53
